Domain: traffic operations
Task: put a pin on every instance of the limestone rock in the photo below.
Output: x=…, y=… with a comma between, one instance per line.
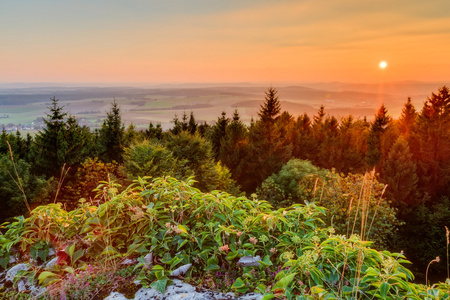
x=249, y=261
x=13, y=271
x=51, y=263
x=181, y=270
x=116, y=296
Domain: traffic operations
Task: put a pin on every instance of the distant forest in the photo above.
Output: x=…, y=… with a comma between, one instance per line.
x=281, y=158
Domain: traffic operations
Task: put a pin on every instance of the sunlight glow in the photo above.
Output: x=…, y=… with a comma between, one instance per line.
x=383, y=65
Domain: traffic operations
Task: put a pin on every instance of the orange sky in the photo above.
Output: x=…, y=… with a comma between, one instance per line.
x=224, y=41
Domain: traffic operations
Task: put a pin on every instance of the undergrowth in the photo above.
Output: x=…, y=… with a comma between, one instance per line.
x=300, y=258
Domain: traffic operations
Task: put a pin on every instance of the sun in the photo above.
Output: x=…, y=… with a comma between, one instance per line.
x=383, y=65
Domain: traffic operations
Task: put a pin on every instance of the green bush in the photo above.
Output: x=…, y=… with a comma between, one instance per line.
x=355, y=202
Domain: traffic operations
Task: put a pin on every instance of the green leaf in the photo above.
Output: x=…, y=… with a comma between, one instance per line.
x=239, y=283
x=4, y=260
x=70, y=250
x=160, y=285
x=42, y=254
x=266, y=261
x=46, y=277
x=69, y=270
x=232, y=255
x=268, y=296
x=183, y=228
x=77, y=255
x=240, y=286
x=284, y=282
x=109, y=250
x=384, y=289
x=261, y=288
x=181, y=243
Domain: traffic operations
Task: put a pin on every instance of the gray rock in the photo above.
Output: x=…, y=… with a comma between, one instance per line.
x=51, y=252
x=181, y=270
x=144, y=294
x=129, y=261
x=148, y=260
x=36, y=290
x=12, y=259
x=13, y=271
x=183, y=291
x=51, y=264
x=251, y=296
x=116, y=296
x=249, y=261
x=22, y=285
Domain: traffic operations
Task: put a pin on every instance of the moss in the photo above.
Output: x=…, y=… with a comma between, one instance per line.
x=129, y=289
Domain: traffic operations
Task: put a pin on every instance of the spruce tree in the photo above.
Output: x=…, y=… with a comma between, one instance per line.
x=432, y=134
x=233, y=147
x=218, y=133
x=271, y=107
x=112, y=136
x=50, y=144
x=400, y=175
x=374, y=140
x=192, y=125
x=407, y=119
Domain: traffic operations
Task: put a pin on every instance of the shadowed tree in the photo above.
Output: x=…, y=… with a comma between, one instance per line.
x=374, y=140
x=233, y=150
x=432, y=134
x=218, y=133
x=271, y=107
x=400, y=175
x=60, y=142
x=112, y=136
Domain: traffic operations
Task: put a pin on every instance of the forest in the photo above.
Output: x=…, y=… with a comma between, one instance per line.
x=401, y=166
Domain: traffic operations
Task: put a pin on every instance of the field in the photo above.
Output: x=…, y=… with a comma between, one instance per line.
x=159, y=105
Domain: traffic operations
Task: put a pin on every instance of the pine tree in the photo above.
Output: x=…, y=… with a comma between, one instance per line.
x=50, y=143
x=218, y=133
x=400, y=175
x=432, y=134
x=233, y=148
x=407, y=119
x=176, y=129
x=271, y=107
x=374, y=141
x=154, y=132
x=192, y=125
x=112, y=136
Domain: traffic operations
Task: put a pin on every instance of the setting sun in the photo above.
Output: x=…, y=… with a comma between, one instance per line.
x=383, y=65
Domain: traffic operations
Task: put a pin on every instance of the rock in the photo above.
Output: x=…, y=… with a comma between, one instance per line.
x=181, y=270
x=249, y=261
x=12, y=259
x=183, y=291
x=148, y=260
x=144, y=294
x=51, y=252
x=13, y=271
x=251, y=296
x=22, y=285
x=36, y=291
x=51, y=264
x=129, y=261
x=116, y=296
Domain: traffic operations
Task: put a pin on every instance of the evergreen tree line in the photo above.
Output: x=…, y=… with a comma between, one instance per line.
x=65, y=161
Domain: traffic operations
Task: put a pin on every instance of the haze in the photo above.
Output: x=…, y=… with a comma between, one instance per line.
x=265, y=41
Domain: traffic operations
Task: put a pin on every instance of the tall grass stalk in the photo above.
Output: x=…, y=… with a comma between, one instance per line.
x=436, y=260
x=61, y=180
x=447, y=233
x=18, y=182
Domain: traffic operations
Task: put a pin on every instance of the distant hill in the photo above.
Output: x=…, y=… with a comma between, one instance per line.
x=158, y=104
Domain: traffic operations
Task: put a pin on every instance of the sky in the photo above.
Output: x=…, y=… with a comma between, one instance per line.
x=176, y=41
